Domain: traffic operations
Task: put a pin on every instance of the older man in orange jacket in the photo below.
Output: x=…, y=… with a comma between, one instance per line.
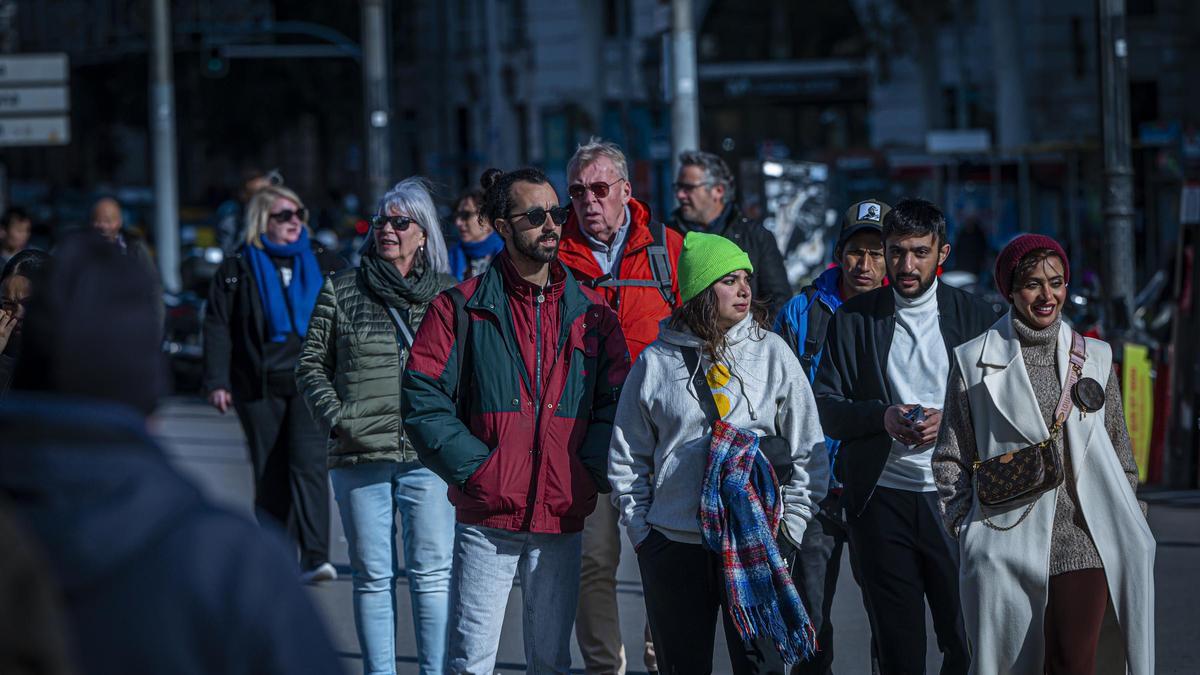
x=612, y=244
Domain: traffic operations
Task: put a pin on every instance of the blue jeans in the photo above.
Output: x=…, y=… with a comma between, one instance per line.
x=485, y=560
x=368, y=497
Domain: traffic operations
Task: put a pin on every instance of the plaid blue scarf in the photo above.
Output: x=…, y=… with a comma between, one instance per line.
x=740, y=511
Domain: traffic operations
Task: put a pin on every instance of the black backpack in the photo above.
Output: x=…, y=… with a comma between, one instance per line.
x=819, y=315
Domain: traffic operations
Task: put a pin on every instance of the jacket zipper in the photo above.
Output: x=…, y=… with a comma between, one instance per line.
x=536, y=451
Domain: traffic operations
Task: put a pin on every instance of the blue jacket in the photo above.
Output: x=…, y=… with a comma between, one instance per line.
x=154, y=578
x=792, y=324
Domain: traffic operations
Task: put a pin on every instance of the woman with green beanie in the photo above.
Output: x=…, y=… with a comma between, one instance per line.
x=714, y=345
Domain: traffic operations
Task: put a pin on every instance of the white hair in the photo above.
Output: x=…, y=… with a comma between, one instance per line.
x=412, y=197
x=593, y=150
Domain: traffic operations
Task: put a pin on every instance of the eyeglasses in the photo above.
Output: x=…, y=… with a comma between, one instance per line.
x=537, y=216
x=688, y=187
x=579, y=191
x=287, y=214
x=399, y=223
x=466, y=215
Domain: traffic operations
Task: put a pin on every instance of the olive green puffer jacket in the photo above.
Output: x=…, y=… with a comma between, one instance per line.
x=349, y=372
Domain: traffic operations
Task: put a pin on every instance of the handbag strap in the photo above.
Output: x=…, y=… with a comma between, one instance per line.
x=691, y=357
x=1074, y=372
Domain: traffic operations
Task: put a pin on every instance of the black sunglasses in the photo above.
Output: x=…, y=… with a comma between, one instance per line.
x=537, y=216
x=399, y=223
x=578, y=191
x=287, y=214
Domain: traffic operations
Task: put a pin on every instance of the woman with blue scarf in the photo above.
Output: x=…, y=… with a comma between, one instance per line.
x=257, y=315
x=477, y=242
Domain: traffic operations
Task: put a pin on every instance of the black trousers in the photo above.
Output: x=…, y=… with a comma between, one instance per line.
x=905, y=557
x=291, y=484
x=684, y=589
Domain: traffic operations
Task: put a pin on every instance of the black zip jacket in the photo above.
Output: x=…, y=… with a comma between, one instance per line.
x=234, y=327
x=769, y=283
x=852, y=389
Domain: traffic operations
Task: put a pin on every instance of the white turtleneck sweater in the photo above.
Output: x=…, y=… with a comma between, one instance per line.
x=918, y=369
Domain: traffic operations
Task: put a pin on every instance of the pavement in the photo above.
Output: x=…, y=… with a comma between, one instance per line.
x=208, y=447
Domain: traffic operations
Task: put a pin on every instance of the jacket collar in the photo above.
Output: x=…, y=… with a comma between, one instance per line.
x=1007, y=380
x=577, y=253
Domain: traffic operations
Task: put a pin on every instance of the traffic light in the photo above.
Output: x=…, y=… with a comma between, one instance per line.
x=215, y=62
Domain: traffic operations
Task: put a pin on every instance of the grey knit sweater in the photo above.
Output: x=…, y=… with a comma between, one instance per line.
x=1071, y=546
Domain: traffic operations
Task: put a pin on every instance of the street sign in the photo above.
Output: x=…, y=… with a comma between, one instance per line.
x=32, y=69
x=34, y=100
x=35, y=131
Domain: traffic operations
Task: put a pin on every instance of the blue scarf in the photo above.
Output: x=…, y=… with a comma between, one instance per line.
x=286, y=311
x=462, y=253
x=740, y=510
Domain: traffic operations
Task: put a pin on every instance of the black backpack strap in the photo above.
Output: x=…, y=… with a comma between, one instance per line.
x=462, y=325
x=691, y=357
x=660, y=269
x=660, y=262
x=818, y=324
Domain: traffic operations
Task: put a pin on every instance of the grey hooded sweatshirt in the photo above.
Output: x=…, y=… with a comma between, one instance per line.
x=661, y=437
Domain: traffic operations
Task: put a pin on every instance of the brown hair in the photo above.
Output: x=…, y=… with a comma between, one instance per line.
x=699, y=316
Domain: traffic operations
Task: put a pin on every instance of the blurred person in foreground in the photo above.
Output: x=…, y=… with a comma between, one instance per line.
x=15, y=230
x=154, y=578
x=21, y=276
x=803, y=324
x=259, y=305
x=509, y=396
x=349, y=371
x=477, y=242
x=109, y=221
x=1039, y=573
x=704, y=189
x=612, y=244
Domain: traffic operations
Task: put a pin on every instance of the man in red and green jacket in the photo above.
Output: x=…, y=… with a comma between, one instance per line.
x=525, y=450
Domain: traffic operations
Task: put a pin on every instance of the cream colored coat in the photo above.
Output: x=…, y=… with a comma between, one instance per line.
x=1004, y=575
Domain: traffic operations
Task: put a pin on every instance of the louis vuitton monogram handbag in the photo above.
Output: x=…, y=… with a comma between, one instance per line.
x=1024, y=474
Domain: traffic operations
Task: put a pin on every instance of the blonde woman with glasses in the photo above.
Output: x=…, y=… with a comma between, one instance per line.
x=257, y=315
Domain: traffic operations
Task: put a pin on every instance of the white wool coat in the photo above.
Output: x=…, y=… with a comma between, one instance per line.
x=1004, y=575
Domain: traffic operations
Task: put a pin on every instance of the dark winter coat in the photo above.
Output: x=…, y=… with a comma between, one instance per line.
x=543, y=373
x=852, y=389
x=235, y=329
x=154, y=578
x=769, y=283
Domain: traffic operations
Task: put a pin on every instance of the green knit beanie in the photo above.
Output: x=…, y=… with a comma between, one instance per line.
x=705, y=259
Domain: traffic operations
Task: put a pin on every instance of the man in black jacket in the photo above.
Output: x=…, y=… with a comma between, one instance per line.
x=704, y=189
x=879, y=390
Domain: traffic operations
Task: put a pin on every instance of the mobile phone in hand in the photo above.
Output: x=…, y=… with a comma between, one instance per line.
x=916, y=415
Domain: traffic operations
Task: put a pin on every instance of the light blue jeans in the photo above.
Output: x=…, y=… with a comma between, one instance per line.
x=485, y=560
x=368, y=497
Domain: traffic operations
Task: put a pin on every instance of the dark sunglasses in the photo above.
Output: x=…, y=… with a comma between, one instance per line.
x=287, y=214
x=579, y=191
x=466, y=215
x=537, y=216
x=399, y=223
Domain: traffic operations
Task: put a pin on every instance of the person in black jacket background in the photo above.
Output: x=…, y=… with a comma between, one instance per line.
x=705, y=191
x=880, y=388
x=257, y=315
x=153, y=577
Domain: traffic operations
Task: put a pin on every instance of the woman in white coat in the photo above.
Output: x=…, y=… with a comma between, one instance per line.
x=1038, y=575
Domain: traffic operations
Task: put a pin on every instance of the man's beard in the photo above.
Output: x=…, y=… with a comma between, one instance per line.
x=921, y=288
x=534, y=251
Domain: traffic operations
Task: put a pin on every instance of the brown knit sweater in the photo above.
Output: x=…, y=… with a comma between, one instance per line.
x=1071, y=546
